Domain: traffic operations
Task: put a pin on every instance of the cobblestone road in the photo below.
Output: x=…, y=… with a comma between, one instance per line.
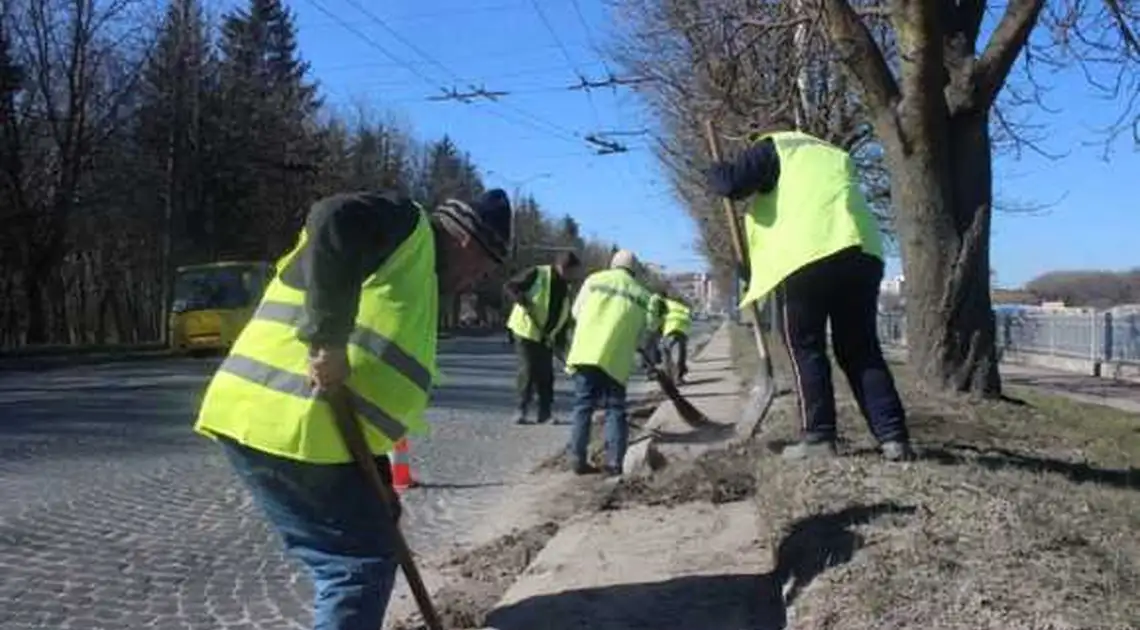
x=113, y=515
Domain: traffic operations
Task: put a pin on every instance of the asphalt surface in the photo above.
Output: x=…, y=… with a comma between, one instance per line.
x=114, y=515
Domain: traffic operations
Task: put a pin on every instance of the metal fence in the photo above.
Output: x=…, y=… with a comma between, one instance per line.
x=1093, y=335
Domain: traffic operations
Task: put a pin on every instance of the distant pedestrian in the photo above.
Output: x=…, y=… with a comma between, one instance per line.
x=653, y=337
x=613, y=319
x=544, y=291
x=355, y=304
x=675, y=331
x=813, y=240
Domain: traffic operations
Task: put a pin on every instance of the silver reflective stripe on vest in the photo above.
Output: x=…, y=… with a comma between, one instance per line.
x=297, y=385
x=378, y=345
x=639, y=300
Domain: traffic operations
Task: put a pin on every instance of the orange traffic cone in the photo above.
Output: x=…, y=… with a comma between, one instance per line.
x=402, y=466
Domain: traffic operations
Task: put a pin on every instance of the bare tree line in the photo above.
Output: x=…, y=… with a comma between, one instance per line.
x=914, y=91
x=132, y=143
x=1098, y=289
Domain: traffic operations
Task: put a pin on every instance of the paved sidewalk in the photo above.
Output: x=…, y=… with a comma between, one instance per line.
x=1117, y=394
x=685, y=566
x=668, y=568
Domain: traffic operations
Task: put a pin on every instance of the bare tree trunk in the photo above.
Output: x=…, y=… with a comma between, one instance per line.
x=945, y=234
x=167, y=265
x=37, y=331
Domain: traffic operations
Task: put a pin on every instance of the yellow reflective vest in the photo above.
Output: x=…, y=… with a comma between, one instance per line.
x=656, y=312
x=521, y=324
x=260, y=396
x=816, y=210
x=677, y=318
x=613, y=313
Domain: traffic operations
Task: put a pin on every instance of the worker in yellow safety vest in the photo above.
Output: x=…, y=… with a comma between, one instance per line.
x=613, y=318
x=653, y=333
x=813, y=241
x=543, y=290
x=675, y=332
x=354, y=304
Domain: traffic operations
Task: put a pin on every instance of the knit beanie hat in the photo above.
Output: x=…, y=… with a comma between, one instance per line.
x=487, y=220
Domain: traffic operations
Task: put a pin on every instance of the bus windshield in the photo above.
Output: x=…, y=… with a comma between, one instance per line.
x=207, y=288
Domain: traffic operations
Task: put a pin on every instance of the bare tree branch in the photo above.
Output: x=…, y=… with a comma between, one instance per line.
x=1006, y=43
x=858, y=51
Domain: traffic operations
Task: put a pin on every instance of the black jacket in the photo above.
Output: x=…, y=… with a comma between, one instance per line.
x=755, y=170
x=349, y=237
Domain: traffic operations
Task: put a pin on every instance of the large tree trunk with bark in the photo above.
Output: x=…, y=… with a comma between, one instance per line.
x=933, y=121
x=946, y=190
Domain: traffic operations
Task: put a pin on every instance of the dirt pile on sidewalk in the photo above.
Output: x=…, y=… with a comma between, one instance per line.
x=487, y=572
x=476, y=579
x=717, y=476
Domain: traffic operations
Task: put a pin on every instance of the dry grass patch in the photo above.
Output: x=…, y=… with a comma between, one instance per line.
x=1016, y=516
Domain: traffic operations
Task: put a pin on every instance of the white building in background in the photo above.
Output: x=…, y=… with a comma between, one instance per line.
x=892, y=286
x=697, y=288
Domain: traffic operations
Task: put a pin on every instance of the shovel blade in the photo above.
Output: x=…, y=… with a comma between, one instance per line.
x=760, y=397
x=690, y=414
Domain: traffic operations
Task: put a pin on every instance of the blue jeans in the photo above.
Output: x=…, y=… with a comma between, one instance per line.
x=331, y=521
x=594, y=388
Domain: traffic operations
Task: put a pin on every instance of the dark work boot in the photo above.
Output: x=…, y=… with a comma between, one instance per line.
x=584, y=469
x=520, y=417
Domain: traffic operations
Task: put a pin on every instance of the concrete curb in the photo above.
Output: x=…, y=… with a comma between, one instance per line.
x=642, y=458
x=57, y=360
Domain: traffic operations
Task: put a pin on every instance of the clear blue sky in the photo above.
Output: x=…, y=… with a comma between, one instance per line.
x=529, y=139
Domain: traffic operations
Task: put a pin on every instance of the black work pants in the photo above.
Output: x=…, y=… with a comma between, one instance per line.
x=844, y=289
x=678, y=346
x=535, y=376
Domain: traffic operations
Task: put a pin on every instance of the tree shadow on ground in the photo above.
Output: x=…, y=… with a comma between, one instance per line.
x=708, y=602
x=995, y=458
x=819, y=542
